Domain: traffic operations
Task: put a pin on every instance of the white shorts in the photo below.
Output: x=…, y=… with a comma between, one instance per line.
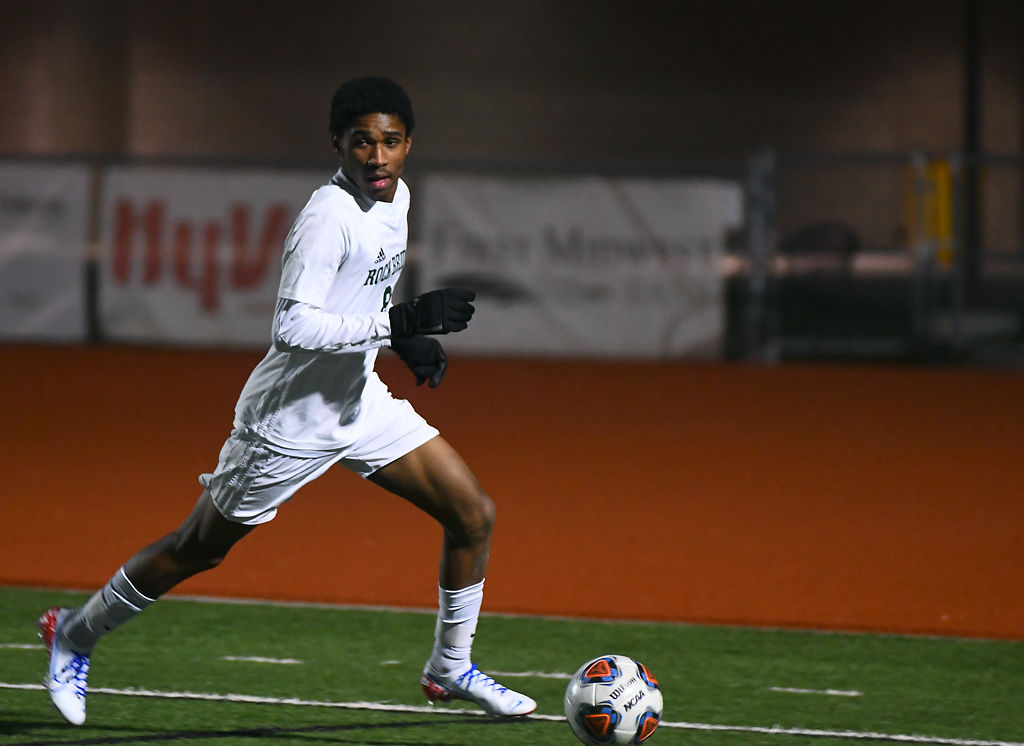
x=253, y=478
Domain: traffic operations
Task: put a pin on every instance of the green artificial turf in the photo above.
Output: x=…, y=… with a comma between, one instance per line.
x=153, y=681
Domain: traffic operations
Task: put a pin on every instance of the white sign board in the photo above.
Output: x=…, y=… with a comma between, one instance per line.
x=43, y=234
x=608, y=267
x=193, y=255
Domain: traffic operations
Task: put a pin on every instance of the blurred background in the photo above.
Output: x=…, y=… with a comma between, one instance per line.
x=689, y=224
x=739, y=180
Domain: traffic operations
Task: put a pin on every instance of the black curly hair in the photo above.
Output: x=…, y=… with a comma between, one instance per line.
x=369, y=95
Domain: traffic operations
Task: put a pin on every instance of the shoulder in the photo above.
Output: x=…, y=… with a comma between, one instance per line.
x=402, y=193
x=330, y=206
x=323, y=222
x=332, y=198
x=402, y=197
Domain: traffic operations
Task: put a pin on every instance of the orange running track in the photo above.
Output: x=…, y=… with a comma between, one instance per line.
x=854, y=498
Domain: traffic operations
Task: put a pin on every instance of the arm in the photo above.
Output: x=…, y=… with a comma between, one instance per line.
x=315, y=250
x=303, y=326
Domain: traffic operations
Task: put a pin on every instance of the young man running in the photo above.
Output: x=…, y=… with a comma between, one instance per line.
x=315, y=401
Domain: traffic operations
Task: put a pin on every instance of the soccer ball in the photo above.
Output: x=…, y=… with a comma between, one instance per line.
x=613, y=699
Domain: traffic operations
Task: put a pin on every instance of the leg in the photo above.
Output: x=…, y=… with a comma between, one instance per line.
x=200, y=543
x=435, y=479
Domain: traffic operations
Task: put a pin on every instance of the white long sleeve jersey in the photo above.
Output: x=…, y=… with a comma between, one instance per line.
x=341, y=261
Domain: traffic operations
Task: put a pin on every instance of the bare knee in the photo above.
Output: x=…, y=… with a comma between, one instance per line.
x=473, y=519
x=204, y=539
x=195, y=555
x=183, y=553
x=166, y=562
x=487, y=512
x=200, y=543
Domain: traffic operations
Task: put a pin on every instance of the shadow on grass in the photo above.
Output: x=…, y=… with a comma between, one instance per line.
x=306, y=733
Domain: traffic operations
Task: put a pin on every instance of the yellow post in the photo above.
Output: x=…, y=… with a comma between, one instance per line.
x=929, y=209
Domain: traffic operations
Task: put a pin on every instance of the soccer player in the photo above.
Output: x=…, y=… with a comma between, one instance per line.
x=315, y=401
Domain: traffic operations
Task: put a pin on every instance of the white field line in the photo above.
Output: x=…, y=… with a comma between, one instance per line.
x=259, y=659
x=827, y=692
x=430, y=710
x=22, y=646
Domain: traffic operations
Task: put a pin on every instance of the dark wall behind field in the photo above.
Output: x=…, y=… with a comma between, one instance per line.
x=543, y=80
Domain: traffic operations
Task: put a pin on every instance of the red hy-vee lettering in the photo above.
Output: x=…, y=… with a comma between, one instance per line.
x=384, y=271
x=194, y=255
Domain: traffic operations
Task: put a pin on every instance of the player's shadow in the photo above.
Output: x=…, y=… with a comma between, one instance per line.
x=309, y=733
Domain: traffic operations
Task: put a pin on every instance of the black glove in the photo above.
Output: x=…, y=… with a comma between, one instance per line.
x=436, y=312
x=424, y=356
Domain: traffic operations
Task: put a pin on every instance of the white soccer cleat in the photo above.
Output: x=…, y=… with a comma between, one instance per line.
x=68, y=669
x=475, y=686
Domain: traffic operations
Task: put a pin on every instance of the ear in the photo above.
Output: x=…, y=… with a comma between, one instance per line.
x=408, y=144
x=335, y=144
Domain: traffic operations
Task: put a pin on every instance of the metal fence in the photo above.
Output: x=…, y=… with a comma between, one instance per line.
x=913, y=255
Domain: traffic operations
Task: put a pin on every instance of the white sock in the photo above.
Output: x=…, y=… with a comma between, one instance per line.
x=109, y=608
x=457, y=615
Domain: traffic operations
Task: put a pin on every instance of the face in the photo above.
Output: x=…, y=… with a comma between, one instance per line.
x=373, y=151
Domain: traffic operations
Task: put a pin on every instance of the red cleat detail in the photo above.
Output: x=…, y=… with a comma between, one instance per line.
x=435, y=692
x=48, y=627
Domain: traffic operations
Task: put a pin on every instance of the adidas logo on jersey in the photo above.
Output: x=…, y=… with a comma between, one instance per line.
x=382, y=272
x=380, y=257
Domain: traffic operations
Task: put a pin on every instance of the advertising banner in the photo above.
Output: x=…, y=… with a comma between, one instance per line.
x=193, y=255
x=590, y=266
x=43, y=236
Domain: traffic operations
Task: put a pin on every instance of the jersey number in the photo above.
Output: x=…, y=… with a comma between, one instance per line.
x=387, y=298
